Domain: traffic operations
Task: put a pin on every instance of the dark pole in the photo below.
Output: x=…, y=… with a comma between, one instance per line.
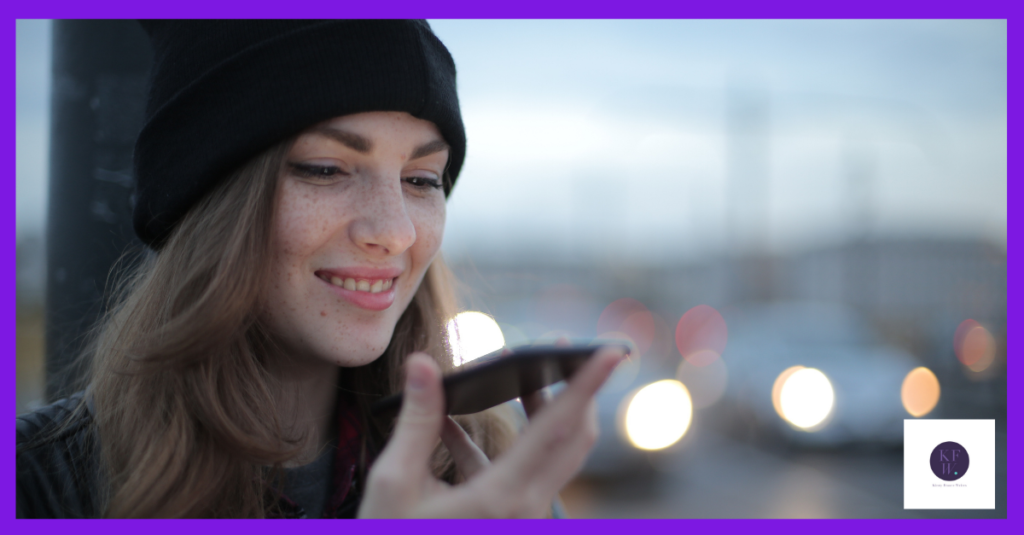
x=100, y=72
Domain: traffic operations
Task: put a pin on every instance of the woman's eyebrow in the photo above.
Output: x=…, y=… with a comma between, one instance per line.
x=355, y=142
x=427, y=149
x=363, y=145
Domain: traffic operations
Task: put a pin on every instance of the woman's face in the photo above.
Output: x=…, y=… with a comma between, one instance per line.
x=360, y=215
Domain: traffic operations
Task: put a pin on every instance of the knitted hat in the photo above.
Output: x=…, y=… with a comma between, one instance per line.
x=222, y=92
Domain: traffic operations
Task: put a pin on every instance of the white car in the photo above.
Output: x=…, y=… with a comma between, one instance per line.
x=856, y=397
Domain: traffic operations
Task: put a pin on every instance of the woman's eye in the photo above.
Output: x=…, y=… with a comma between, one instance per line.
x=322, y=172
x=424, y=182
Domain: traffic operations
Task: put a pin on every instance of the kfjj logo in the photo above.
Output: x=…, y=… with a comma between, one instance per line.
x=950, y=461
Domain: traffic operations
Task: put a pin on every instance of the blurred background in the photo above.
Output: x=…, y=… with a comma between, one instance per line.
x=799, y=225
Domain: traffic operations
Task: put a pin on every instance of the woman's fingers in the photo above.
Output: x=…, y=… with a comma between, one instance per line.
x=535, y=401
x=401, y=475
x=521, y=483
x=583, y=385
x=421, y=417
x=564, y=430
x=468, y=457
x=566, y=460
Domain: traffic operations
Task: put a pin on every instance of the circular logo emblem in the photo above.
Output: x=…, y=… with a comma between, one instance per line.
x=950, y=461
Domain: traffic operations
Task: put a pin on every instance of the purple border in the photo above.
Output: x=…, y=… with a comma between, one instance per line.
x=533, y=9
x=995, y=9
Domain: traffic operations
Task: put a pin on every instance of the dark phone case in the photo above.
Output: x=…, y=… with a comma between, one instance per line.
x=495, y=379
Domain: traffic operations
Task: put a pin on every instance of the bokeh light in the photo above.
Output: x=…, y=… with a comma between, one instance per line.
x=658, y=415
x=974, y=345
x=920, y=392
x=806, y=398
x=701, y=335
x=777, y=388
x=706, y=383
x=631, y=317
x=472, y=335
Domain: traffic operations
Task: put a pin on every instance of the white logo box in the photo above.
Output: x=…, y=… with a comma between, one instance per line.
x=922, y=489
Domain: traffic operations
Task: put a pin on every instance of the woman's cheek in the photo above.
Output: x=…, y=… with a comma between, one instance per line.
x=430, y=229
x=303, y=222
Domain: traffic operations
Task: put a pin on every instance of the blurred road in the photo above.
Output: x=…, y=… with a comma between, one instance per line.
x=716, y=477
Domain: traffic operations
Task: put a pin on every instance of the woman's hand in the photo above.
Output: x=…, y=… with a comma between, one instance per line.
x=522, y=483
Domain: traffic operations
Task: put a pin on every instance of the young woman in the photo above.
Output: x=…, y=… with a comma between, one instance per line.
x=292, y=178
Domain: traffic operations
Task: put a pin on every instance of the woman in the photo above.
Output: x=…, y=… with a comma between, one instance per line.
x=292, y=178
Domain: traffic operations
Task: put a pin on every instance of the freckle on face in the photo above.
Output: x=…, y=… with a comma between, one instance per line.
x=323, y=313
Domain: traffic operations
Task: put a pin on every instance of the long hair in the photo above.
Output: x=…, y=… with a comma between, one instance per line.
x=186, y=412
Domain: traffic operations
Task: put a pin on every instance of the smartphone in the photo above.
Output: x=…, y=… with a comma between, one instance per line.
x=495, y=378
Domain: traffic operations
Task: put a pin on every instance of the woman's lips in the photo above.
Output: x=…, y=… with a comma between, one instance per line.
x=371, y=294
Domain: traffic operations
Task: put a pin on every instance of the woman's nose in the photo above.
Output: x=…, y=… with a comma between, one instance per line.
x=383, y=225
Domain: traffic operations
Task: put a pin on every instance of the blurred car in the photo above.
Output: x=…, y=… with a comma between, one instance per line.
x=630, y=445
x=768, y=343
x=851, y=384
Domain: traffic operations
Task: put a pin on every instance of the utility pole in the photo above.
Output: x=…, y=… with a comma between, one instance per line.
x=100, y=76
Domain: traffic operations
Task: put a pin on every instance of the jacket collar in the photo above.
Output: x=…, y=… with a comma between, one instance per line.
x=344, y=502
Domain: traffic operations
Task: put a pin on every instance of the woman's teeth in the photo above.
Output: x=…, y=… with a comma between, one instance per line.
x=361, y=285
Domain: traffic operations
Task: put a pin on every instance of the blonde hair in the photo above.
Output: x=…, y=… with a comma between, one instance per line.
x=184, y=404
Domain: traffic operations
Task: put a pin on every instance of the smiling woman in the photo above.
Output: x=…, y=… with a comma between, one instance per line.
x=294, y=221
x=360, y=215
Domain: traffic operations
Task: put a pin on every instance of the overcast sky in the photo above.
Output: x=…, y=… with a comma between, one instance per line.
x=616, y=136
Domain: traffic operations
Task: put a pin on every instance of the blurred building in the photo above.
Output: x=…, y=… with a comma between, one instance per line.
x=915, y=292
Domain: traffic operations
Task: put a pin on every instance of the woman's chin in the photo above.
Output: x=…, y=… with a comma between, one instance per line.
x=354, y=362
x=356, y=354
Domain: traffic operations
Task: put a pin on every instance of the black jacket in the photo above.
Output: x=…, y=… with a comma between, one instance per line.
x=57, y=462
x=58, y=470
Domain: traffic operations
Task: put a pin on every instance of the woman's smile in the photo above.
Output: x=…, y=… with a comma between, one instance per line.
x=369, y=288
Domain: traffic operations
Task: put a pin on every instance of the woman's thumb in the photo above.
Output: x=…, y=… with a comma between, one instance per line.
x=422, y=415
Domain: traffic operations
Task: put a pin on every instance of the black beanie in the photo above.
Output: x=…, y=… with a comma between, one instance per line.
x=222, y=92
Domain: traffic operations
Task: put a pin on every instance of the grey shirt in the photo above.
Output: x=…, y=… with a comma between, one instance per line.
x=311, y=485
